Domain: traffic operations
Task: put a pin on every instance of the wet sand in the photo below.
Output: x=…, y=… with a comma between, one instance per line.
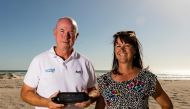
x=10, y=85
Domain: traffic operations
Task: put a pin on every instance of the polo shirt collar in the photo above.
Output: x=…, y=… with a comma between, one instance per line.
x=53, y=54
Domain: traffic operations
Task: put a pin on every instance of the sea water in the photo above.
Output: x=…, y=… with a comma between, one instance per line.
x=161, y=76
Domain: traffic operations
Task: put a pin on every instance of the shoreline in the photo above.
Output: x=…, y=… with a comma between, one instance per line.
x=10, y=86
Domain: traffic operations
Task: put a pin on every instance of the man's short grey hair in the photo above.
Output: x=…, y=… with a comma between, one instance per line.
x=72, y=20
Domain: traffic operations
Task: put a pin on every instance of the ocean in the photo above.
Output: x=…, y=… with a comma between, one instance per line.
x=161, y=76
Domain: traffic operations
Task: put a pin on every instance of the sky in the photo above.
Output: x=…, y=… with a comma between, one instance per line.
x=162, y=26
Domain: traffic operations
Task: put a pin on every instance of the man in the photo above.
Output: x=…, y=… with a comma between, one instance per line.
x=61, y=69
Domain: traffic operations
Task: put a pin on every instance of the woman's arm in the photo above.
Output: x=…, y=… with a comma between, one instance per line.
x=162, y=98
x=100, y=104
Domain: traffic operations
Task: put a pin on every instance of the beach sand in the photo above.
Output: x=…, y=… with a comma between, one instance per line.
x=10, y=85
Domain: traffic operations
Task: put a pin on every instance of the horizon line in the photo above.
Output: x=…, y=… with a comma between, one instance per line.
x=26, y=70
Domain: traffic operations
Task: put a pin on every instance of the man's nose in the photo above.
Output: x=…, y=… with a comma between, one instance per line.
x=67, y=36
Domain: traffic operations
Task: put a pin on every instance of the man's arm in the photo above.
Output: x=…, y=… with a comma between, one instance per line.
x=29, y=95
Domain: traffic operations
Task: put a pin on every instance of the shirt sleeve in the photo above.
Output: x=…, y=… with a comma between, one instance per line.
x=32, y=76
x=92, y=76
x=103, y=82
x=100, y=83
x=152, y=83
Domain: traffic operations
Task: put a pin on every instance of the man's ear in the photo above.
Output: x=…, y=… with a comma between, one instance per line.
x=77, y=35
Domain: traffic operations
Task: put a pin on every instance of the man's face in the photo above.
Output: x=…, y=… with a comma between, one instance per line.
x=65, y=35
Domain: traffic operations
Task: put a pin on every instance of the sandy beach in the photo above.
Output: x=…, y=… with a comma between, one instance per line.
x=10, y=85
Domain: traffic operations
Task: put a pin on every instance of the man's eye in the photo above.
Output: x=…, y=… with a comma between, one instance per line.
x=71, y=33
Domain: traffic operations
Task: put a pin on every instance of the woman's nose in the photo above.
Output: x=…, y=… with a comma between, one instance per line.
x=123, y=49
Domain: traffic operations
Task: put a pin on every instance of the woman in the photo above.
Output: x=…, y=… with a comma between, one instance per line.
x=128, y=85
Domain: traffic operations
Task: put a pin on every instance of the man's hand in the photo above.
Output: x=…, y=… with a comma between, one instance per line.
x=52, y=105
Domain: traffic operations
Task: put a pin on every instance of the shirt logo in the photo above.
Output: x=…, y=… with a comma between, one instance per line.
x=50, y=70
x=79, y=71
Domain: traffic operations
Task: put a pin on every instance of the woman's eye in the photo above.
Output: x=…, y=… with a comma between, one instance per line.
x=118, y=46
x=127, y=45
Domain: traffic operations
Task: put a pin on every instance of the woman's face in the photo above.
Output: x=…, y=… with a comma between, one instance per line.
x=124, y=52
